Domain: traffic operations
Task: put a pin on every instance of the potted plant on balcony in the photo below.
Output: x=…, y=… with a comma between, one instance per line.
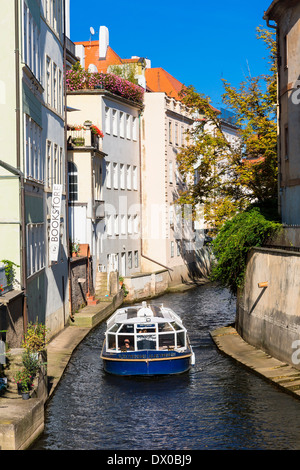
x=96, y=131
x=75, y=249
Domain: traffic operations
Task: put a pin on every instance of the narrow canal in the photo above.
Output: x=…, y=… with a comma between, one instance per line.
x=218, y=405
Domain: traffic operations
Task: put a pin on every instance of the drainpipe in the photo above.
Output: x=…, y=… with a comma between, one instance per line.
x=18, y=161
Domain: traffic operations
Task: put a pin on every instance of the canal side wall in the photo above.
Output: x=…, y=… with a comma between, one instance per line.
x=268, y=318
x=146, y=285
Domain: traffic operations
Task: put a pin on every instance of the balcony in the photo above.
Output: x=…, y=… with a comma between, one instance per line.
x=83, y=137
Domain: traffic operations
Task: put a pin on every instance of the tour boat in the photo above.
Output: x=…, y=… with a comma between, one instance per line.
x=146, y=340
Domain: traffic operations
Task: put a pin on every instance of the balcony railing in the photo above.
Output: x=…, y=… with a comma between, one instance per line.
x=83, y=138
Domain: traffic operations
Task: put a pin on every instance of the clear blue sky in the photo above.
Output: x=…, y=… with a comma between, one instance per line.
x=197, y=41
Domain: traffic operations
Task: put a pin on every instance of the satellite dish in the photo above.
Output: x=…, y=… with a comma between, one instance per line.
x=92, y=68
x=92, y=31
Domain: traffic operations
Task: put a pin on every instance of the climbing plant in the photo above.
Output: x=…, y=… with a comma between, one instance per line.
x=237, y=236
x=10, y=271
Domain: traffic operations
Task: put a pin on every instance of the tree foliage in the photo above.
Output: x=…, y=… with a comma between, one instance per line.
x=231, y=174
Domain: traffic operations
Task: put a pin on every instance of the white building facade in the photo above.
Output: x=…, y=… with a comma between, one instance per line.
x=42, y=63
x=115, y=238
x=167, y=231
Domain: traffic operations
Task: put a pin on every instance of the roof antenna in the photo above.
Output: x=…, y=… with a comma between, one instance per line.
x=92, y=33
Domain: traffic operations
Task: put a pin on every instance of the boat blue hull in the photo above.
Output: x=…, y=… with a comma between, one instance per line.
x=146, y=363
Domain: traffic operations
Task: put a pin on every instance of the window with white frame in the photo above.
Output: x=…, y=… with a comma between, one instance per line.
x=52, y=10
x=34, y=165
x=108, y=175
x=130, y=259
x=48, y=80
x=115, y=122
x=134, y=128
x=170, y=132
x=128, y=176
x=115, y=175
x=122, y=125
x=73, y=181
x=134, y=178
x=177, y=174
x=170, y=172
x=136, y=259
x=122, y=176
x=136, y=224
x=172, y=249
x=109, y=224
x=55, y=164
x=183, y=136
x=128, y=126
x=116, y=224
x=129, y=224
x=123, y=224
x=61, y=167
x=107, y=120
x=55, y=14
x=31, y=42
x=35, y=241
x=49, y=164
x=54, y=85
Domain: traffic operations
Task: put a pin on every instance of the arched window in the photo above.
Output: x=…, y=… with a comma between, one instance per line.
x=73, y=181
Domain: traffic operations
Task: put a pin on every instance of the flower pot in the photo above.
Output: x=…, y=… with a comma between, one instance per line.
x=25, y=395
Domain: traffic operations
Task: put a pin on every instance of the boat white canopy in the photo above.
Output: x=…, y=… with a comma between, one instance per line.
x=145, y=327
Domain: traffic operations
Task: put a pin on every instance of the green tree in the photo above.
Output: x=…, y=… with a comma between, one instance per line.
x=231, y=175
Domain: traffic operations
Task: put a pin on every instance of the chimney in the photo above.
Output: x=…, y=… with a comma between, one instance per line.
x=103, y=41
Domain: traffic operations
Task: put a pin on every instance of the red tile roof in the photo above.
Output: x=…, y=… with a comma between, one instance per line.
x=161, y=81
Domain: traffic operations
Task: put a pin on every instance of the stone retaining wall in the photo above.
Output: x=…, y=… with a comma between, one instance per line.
x=269, y=317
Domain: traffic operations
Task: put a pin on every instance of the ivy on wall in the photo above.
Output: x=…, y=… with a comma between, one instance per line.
x=246, y=230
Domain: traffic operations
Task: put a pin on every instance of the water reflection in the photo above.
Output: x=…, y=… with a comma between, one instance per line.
x=217, y=405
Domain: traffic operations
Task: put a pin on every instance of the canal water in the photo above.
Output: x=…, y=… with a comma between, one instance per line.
x=218, y=405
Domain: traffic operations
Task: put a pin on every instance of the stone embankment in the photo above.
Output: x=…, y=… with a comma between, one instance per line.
x=281, y=374
x=22, y=421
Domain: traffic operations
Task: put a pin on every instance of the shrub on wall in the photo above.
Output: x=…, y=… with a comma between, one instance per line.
x=234, y=241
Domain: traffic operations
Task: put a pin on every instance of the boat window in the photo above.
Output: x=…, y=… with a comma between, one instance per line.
x=127, y=328
x=180, y=339
x=146, y=341
x=115, y=327
x=166, y=341
x=146, y=329
x=126, y=342
x=164, y=327
x=176, y=326
x=111, y=339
